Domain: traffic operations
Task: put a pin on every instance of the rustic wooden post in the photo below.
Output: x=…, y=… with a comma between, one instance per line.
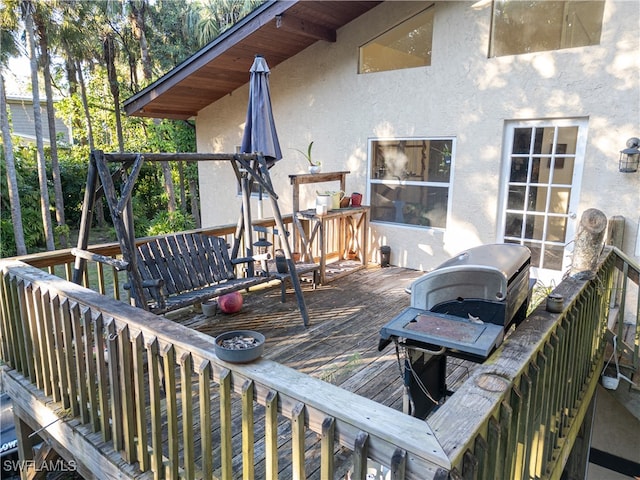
x=615, y=237
x=589, y=242
x=87, y=216
x=121, y=215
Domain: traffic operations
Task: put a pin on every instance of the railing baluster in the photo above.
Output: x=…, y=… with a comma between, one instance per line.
x=297, y=442
x=114, y=386
x=90, y=369
x=247, y=431
x=360, y=456
x=116, y=283
x=5, y=319
x=494, y=438
x=399, y=464
x=206, y=442
x=509, y=432
x=126, y=388
x=547, y=403
x=26, y=361
x=69, y=362
x=327, y=446
x=81, y=374
x=169, y=360
x=100, y=272
x=155, y=412
x=53, y=388
x=187, y=415
x=271, y=435
x=225, y=424
x=481, y=452
x=140, y=401
x=33, y=337
x=469, y=465
x=102, y=376
x=541, y=420
x=522, y=398
x=60, y=349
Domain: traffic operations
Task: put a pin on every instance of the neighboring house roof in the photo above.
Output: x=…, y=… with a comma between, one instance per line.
x=23, y=123
x=277, y=30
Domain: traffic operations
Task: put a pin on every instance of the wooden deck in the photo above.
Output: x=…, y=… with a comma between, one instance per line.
x=340, y=345
x=264, y=417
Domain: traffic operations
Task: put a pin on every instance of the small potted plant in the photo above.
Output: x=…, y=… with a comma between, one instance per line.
x=446, y=154
x=314, y=167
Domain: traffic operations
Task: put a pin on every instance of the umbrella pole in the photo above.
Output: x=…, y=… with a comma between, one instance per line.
x=246, y=212
x=260, y=211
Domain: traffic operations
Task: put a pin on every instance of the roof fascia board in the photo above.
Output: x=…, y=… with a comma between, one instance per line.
x=239, y=31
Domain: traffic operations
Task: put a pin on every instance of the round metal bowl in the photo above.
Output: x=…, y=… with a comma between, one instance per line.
x=248, y=353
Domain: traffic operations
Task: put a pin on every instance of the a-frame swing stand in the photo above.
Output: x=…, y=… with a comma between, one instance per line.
x=248, y=168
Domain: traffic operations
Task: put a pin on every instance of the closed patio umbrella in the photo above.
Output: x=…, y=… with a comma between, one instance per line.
x=260, y=130
x=260, y=134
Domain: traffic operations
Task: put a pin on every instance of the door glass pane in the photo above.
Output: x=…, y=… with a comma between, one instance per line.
x=553, y=257
x=516, y=197
x=559, y=202
x=519, y=170
x=521, y=140
x=535, y=227
x=535, y=171
x=537, y=199
x=541, y=137
x=563, y=170
x=513, y=227
x=556, y=228
x=567, y=139
x=536, y=250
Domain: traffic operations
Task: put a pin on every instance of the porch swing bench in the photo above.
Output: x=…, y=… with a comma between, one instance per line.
x=184, y=269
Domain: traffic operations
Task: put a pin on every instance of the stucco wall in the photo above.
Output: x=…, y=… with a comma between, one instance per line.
x=319, y=96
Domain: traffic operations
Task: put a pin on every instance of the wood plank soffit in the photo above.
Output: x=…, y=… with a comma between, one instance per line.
x=305, y=27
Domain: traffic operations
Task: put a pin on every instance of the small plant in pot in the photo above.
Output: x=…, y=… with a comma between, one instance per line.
x=314, y=167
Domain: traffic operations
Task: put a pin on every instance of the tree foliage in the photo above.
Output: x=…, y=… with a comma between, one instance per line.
x=101, y=52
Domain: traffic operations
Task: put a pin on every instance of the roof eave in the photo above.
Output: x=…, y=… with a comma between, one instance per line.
x=135, y=105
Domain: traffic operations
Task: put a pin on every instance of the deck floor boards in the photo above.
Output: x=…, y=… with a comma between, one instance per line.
x=340, y=344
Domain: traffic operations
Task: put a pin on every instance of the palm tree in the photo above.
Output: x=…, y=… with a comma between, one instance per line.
x=215, y=16
x=42, y=20
x=28, y=9
x=9, y=24
x=137, y=16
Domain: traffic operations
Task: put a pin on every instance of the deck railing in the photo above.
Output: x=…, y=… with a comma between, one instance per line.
x=154, y=394
x=625, y=303
x=108, y=280
x=160, y=399
x=520, y=412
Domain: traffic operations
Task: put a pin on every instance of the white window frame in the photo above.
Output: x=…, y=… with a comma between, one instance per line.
x=449, y=185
